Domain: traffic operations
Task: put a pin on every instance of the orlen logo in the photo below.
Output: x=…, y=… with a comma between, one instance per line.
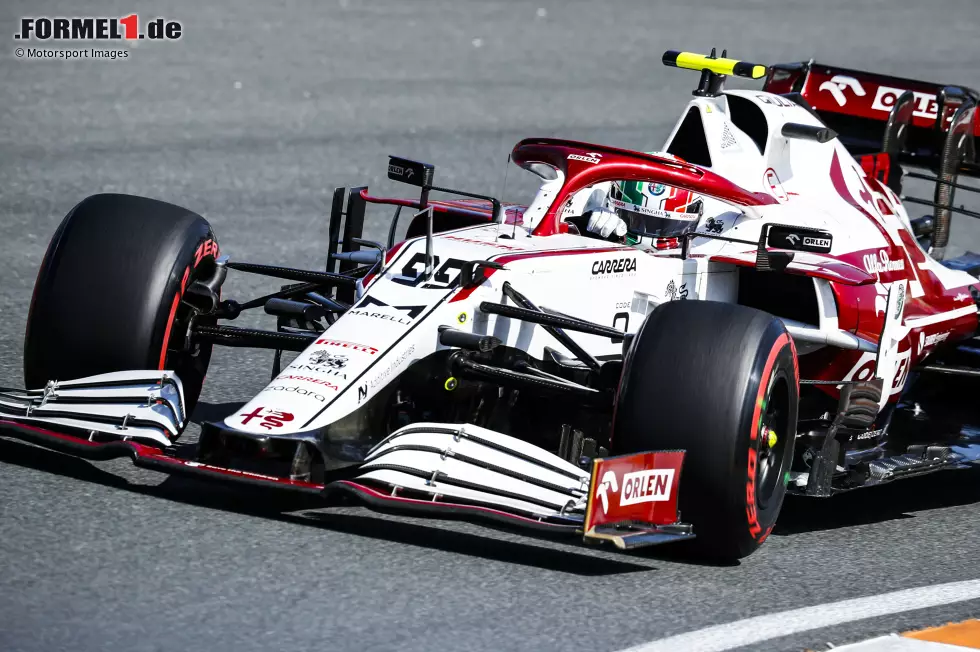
x=809, y=241
x=608, y=482
x=590, y=157
x=836, y=85
x=926, y=105
x=647, y=486
x=400, y=171
x=614, y=266
x=882, y=263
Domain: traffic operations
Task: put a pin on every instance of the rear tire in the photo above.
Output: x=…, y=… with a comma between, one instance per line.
x=108, y=294
x=715, y=379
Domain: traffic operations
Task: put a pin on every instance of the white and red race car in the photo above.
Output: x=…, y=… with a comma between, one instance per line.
x=804, y=336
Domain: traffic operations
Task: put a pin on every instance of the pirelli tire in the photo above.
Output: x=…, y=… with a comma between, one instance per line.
x=110, y=293
x=721, y=382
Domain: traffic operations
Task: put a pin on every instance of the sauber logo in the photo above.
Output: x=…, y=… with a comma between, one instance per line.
x=836, y=85
x=608, y=480
x=647, y=486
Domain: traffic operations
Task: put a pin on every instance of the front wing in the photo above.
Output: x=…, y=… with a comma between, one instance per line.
x=442, y=470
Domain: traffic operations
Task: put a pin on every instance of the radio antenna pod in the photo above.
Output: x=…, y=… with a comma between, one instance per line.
x=714, y=70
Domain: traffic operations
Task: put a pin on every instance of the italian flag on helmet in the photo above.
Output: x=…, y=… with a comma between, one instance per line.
x=655, y=210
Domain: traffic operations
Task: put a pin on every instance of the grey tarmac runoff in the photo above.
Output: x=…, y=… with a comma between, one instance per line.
x=251, y=118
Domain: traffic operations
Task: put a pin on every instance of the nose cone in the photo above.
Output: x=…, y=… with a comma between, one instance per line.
x=309, y=384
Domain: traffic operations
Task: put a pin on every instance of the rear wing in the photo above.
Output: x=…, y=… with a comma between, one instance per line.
x=889, y=122
x=859, y=105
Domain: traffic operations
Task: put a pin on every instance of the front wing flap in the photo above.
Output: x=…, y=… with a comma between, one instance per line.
x=633, y=500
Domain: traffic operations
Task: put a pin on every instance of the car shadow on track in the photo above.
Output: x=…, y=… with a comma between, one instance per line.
x=300, y=510
x=882, y=503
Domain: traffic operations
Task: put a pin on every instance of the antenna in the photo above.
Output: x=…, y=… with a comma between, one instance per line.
x=429, y=265
x=503, y=218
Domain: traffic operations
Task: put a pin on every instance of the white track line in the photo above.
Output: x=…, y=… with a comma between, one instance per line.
x=763, y=628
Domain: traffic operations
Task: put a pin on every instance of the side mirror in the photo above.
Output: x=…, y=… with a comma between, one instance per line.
x=793, y=238
x=798, y=238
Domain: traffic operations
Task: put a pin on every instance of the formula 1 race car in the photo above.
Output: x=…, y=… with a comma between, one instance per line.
x=803, y=335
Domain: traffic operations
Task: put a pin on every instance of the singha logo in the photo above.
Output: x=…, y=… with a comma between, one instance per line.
x=336, y=361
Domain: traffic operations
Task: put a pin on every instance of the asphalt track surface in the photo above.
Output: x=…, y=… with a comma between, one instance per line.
x=251, y=119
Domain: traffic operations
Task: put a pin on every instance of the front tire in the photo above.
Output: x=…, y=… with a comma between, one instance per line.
x=721, y=382
x=108, y=293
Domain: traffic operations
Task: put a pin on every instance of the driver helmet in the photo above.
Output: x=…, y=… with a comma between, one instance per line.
x=656, y=215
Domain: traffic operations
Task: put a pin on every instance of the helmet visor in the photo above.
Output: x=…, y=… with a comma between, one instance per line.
x=656, y=222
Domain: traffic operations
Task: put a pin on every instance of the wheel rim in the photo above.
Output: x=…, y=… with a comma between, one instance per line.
x=773, y=439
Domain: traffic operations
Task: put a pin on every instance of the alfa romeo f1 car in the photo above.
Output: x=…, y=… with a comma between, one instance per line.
x=805, y=336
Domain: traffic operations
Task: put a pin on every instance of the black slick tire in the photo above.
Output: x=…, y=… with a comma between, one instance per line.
x=108, y=294
x=719, y=381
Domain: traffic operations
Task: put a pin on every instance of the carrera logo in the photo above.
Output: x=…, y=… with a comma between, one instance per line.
x=614, y=266
x=809, y=241
x=647, y=486
x=882, y=263
x=349, y=345
x=309, y=379
x=590, y=157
